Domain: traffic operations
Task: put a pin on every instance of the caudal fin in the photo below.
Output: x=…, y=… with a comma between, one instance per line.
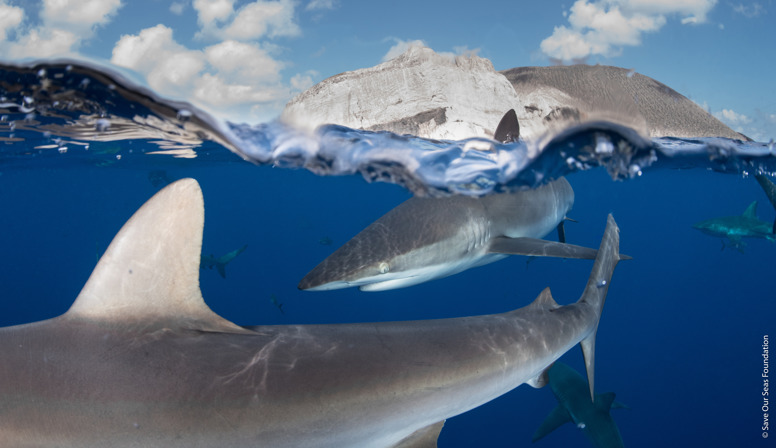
x=596, y=289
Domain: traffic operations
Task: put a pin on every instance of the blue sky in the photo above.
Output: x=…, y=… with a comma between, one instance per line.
x=243, y=60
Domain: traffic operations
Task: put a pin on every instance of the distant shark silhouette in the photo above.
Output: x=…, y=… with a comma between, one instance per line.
x=210, y=261
x=746, y=225
x=575, y=406
x=139, y=359
x=428, y=238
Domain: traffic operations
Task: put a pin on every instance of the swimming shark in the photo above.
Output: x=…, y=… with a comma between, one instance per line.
x=575, y=406
x=428, y=238
x=139, y=359
x=746, y=225
x=210, y=261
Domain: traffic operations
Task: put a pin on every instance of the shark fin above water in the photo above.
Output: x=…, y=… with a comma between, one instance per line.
x=508, y=129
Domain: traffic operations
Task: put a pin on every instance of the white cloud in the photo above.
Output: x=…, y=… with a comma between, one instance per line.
x=603, y=27
x=167, y=65
x=759, y=125
x=211, y=11
x=238, y=76
x=732, y=118
x=10, y=18
x=749, y=11
x=400, y=47
x=79, y=16
x=238, y=80
x=177, y=8
x=316, y=5
x=302, y=82
x=253, y=21
x=243, y=63
x=64, y=24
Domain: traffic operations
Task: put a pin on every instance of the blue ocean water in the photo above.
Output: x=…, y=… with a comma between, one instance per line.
x=680, y=339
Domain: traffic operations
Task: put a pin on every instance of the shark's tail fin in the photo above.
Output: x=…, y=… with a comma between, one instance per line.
x=770, y=190
x=596, y=289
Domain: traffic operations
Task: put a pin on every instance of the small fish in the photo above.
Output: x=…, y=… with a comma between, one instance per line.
x=210, y=261
x=325, y=241
x=159, y=178
x=274, y=300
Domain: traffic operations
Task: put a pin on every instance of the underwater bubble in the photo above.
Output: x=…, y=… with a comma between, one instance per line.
x=601, y=284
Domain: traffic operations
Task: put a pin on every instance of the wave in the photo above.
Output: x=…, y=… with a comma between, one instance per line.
x=52, y=108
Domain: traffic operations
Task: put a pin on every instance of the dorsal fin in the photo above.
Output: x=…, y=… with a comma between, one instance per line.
x=150, y=271
x=508, y=129
x=545, y=301
x=751, y=211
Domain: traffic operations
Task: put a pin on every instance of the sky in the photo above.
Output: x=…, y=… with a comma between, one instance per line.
x=243, y=60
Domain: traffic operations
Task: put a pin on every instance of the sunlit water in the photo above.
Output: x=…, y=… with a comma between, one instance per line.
x=681, y=334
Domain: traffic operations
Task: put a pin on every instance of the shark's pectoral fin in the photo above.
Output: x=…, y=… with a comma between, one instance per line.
x=558, y=417
x=561, y=232
x=422, y=438
x=539, y=248
x=150, y=271
x=540, y=380
x=737, y=242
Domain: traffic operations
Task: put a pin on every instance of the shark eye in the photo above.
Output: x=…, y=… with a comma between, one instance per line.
x=383, y=268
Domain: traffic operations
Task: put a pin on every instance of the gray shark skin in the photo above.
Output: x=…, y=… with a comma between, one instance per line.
x=575, y=406
x=139, y=360
x=735, y=228
x=424, y=239
x=428, y=238
x=210, y=261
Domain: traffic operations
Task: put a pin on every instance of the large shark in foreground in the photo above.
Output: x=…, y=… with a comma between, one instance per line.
x=575, y=406
x=428, y=238
x=746, y=225
x=139, y=360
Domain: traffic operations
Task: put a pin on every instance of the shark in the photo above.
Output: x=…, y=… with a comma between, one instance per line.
x=746, y=225
x=211, y=261
x=575, y=406
x=426, y=238
x=140, y=360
